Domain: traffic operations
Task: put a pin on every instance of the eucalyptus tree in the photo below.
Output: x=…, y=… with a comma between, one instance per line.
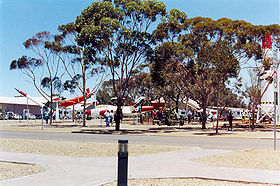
x=105, y=94
x=44, y=71
x=79, y=65
x=118, y=33
x=248, y=39
x=205, y=59
x=212, y=51
x=141, y=85
x=165, y=73
x=222, y=65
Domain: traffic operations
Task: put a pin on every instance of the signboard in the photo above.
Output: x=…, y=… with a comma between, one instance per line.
x=275, y=66
x=275, y=79
x=275, y=59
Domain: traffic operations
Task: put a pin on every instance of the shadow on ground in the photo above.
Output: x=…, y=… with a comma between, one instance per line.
x=158, y=130
x=52, y=126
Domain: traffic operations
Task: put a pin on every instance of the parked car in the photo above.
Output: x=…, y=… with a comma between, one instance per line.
x=9, y=115
x=32, y=116
x=38, y=116
x=18, y=116
x=2, y=116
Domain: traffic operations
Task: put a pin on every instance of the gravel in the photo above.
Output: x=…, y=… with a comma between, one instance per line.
x=10, y=170
x=253, y=159
x=76, y=149
x=183, y=181
x=63, y=148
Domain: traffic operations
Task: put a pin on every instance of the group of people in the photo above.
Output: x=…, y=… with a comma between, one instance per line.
x=47, y=115
x=109, y=116
x=157, y=115
x=167, y=116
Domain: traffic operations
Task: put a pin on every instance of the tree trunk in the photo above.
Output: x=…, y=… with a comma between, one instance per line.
x=73, y=114
x=218, y=111
x=51, y=104
x=118, y=114
x=84, y=111
x=204, y=117
x=85, y=99
x=253, y=118
x=118, y=119
x=177, y=103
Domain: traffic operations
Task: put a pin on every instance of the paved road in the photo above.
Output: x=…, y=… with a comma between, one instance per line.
x=97, y=170
x=202, y=142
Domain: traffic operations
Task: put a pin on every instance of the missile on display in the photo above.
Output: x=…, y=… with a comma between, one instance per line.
x=76, y=100
x=27, y=96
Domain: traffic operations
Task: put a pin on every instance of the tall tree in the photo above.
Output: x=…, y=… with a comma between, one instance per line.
x=105, y=94
x=44, y=71
x=79, y=65
x=118, y=33
x=196, y=37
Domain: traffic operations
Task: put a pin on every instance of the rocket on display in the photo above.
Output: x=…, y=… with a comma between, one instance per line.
x=76, y=100
x=130, y=110
x=26, y=95
x=266, y=108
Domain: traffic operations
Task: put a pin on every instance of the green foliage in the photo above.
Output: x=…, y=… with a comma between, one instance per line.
x=116, y=34
x=25, y=62
x=47, y=82
x=267, y=62
x=103, y=95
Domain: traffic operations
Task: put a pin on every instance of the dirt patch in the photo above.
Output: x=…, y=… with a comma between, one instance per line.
x=10, y=170
x=184, y=181
x=253, y=159
x=77, y=149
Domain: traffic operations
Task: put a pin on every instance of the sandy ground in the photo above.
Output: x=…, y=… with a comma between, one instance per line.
x=254, y=159
x=76, y=149
x=183, y=181
x=64, y=148
x=10, y=170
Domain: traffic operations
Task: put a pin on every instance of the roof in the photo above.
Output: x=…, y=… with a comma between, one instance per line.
x=21, y=100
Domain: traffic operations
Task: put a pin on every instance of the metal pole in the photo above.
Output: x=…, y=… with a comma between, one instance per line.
x=122, y=163
x=275, y=66
x=27, y=112
x=56, y=112
x=275, y=95
x=147, y=118
x=42, y=112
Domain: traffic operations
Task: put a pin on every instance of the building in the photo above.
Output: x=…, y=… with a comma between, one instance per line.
x=19, y=105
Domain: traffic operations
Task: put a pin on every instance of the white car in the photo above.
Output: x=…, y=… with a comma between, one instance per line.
x=18, y=116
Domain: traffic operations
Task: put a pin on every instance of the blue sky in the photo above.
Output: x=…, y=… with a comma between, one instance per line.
x=21, y=19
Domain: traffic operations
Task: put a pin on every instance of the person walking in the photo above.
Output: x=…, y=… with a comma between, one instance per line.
x=107, y=118
x=111, y=115
x=230, y=120
x=47, y=116
x=159, y=116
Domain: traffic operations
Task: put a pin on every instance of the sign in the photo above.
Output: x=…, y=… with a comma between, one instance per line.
x=275, y=59
x=275, y=79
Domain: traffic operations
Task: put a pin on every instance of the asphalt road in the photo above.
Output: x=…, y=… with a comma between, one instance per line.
x=202, y=142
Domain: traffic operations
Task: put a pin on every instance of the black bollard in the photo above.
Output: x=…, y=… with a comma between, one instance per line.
x=122, y=163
